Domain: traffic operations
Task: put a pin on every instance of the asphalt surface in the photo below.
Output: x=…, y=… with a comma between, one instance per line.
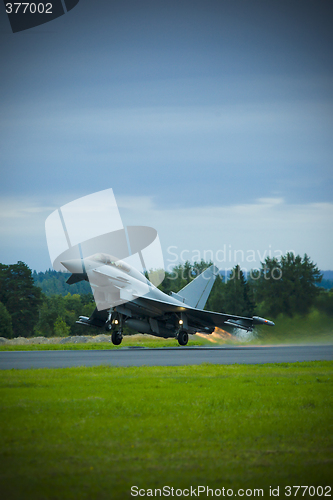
x=173, y=356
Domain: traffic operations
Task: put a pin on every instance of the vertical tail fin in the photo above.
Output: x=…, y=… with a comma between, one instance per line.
x=196, y=293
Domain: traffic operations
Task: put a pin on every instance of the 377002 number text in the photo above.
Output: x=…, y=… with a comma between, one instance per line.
x=33, y=8
x=320, y=491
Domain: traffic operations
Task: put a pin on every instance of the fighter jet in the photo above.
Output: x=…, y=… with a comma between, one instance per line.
x=124, y=296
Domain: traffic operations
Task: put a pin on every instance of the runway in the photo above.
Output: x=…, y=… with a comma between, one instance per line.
x=174, y=356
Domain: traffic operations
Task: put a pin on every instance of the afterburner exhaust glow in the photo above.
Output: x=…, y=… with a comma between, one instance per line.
x=218, y=336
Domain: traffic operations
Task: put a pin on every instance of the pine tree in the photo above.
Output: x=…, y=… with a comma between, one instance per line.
x=287, y=286
x=20, y=296
x=237, y=299
x=6, y=329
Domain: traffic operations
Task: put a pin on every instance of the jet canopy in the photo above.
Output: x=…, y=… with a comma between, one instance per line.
x=108, y=260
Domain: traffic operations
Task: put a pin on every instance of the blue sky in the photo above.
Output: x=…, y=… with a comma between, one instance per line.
x=211, y=120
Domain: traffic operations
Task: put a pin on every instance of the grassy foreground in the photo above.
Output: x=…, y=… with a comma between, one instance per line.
x=92, y=433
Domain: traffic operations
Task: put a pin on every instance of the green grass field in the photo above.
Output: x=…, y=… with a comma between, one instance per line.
x=92, y=433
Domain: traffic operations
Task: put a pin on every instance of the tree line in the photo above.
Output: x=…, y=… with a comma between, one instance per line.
x=289, y=285
x=54, y=283
x=25, y=310
x=42, y=303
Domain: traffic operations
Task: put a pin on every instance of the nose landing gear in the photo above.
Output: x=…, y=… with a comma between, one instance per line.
x=115, y=321
x=182, y=337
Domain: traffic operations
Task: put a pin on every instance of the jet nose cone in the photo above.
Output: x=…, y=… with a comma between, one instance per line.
x=74, y=266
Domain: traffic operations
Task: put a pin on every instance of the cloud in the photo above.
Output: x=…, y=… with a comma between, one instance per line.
x=230, y=131
x=269, y=224
x=271, y=201
x=18, y=208
x=206, y=137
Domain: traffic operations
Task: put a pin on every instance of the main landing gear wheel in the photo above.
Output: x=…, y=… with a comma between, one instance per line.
x=116, y=338
x=182, y=338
